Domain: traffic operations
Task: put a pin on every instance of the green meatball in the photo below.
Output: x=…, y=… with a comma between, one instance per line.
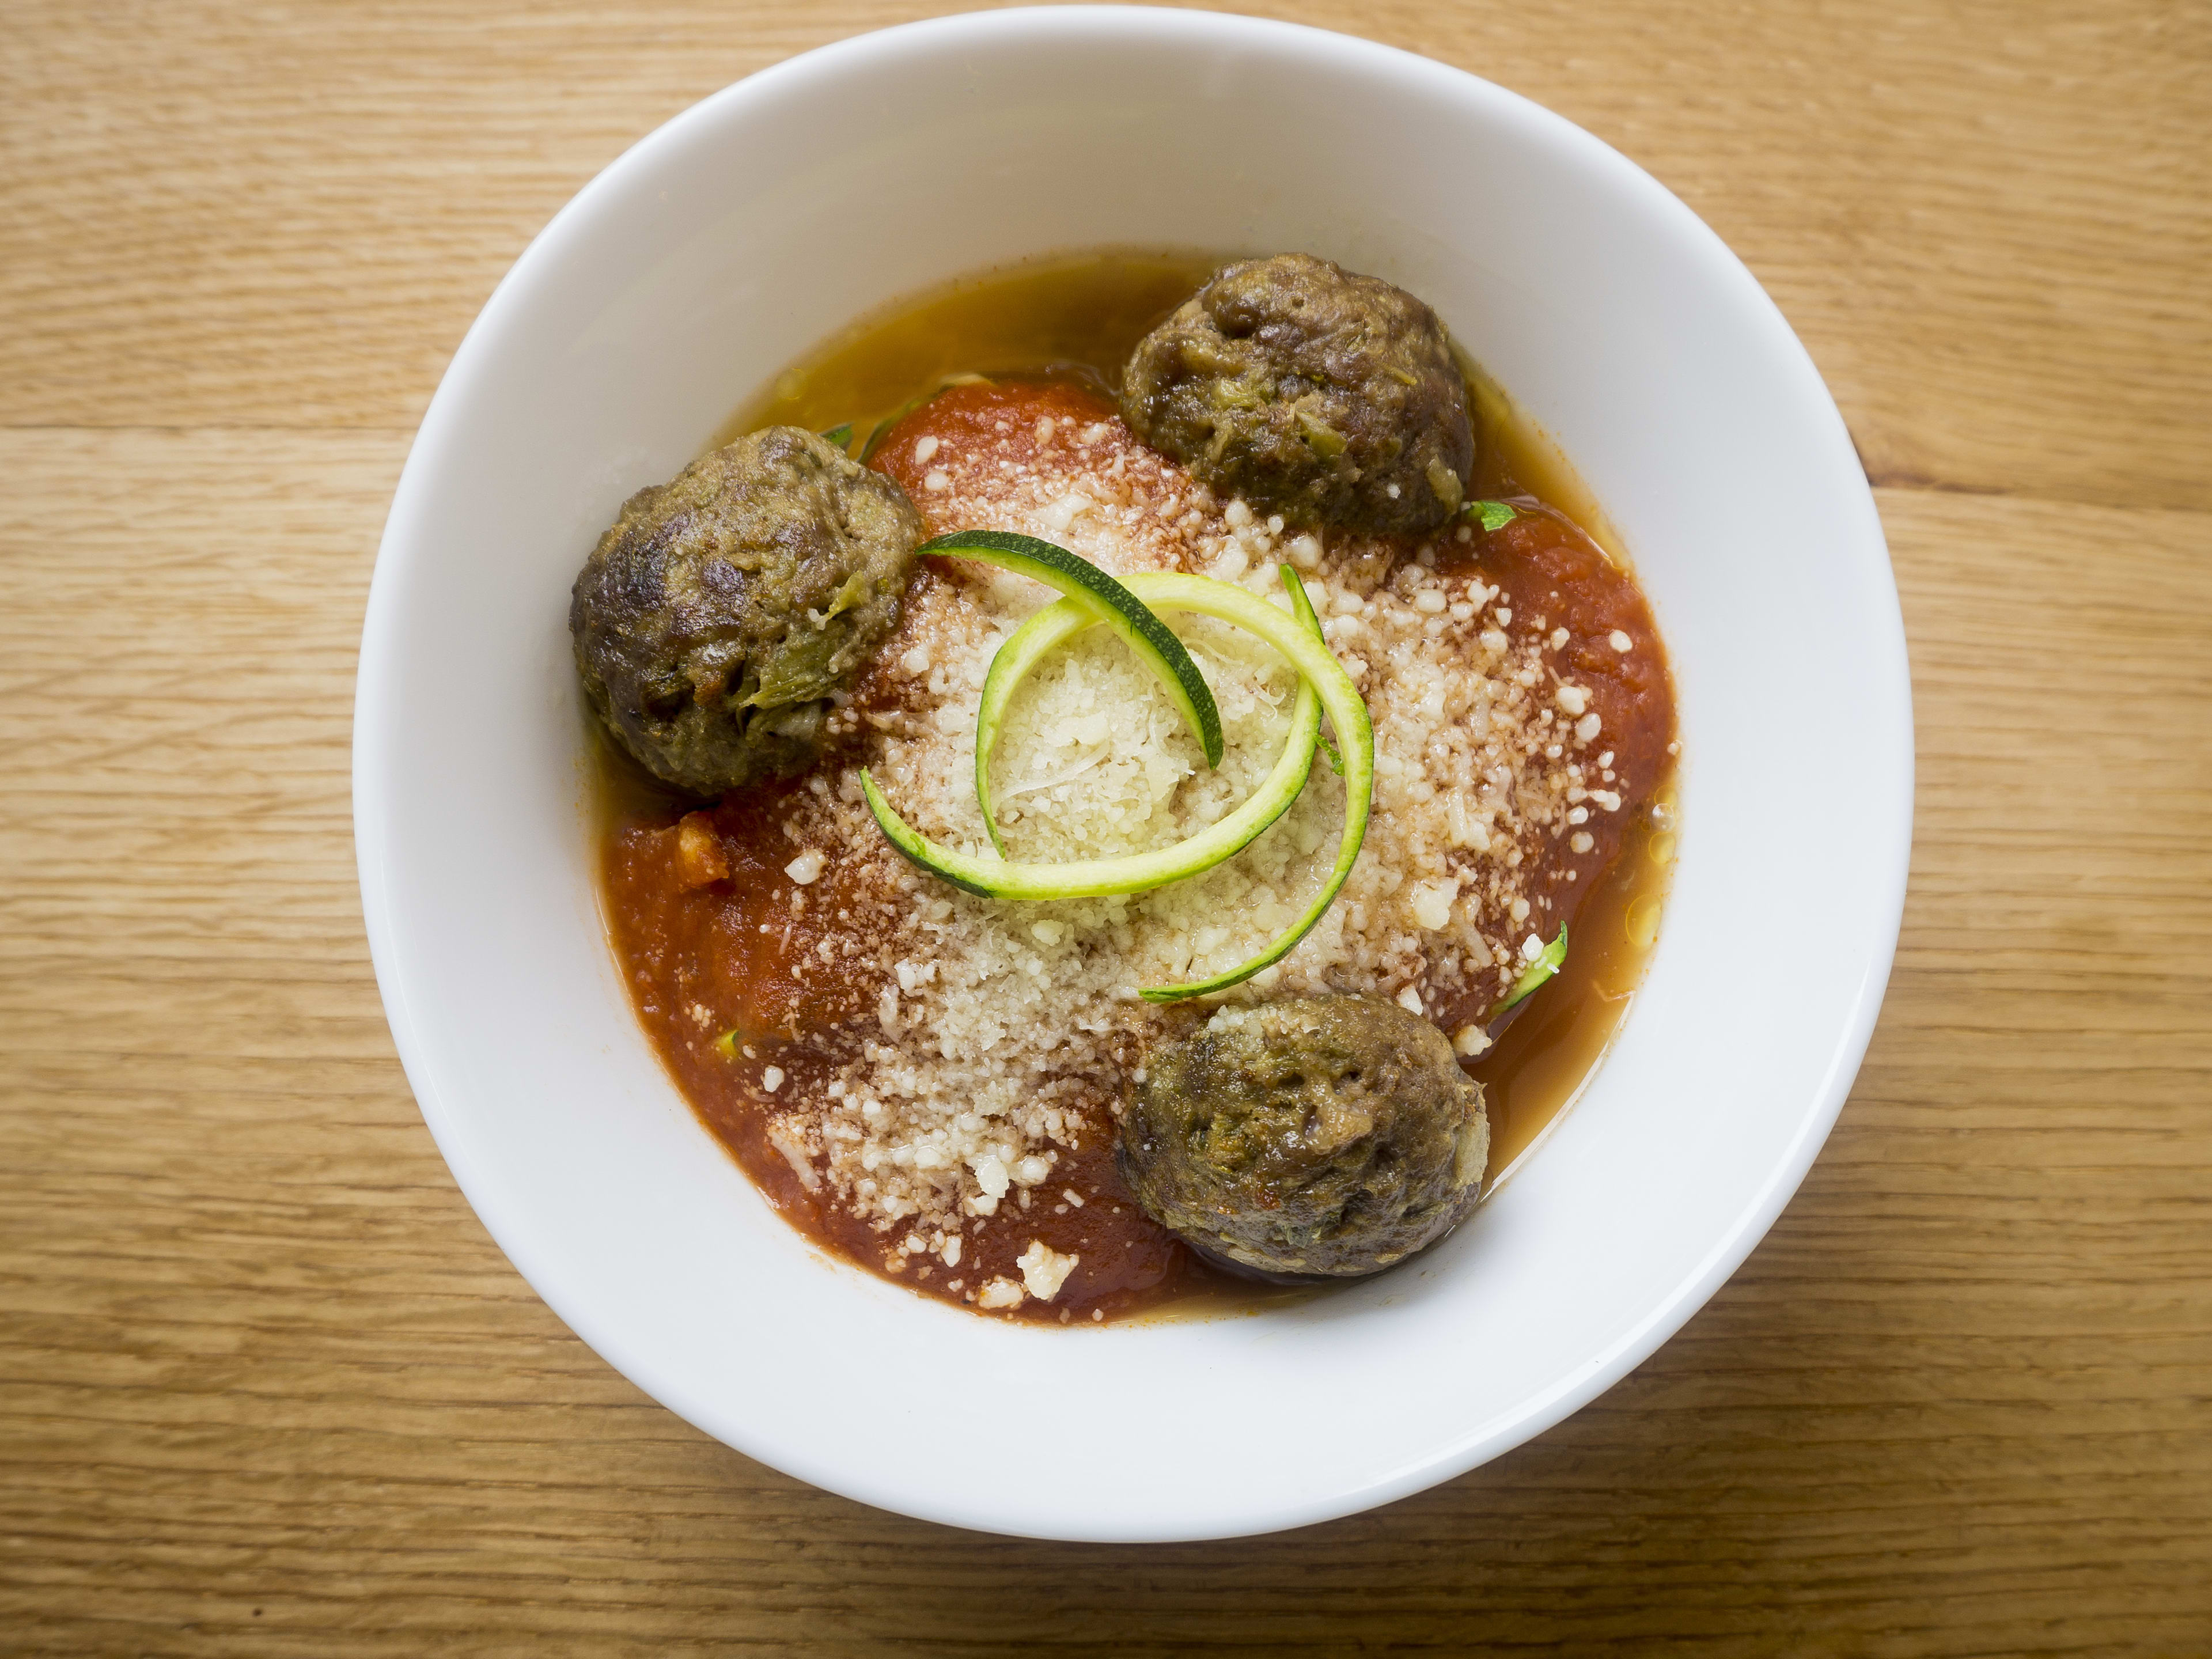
x=1329, y=1136
x=1328, y=398
x=720, y=616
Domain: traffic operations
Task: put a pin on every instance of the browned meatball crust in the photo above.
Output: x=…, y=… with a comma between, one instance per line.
x=1317, y=1136
x=1328, y=398
x=720, y=614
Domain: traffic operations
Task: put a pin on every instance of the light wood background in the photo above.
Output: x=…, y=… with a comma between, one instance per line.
x=267, y=1388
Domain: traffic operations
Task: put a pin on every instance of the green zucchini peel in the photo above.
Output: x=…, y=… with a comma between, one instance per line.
x=1134, y=872
x=1324, y=686
x=1113, y=604
x=1298, y=637
x=1535, y=975
x=1028, y=646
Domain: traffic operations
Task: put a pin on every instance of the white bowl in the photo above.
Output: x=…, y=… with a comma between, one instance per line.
x=749, y=227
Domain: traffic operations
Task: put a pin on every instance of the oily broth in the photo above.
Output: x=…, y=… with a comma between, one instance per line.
x=1514, y=456
x=1080, y=317
x=1083, y=314
x=1545, y=1056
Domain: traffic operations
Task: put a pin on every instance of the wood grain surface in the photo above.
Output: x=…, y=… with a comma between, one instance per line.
x=267, y=1388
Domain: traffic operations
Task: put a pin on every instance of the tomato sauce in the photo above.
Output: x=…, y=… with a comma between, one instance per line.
x=754, y=987
x=730, y=981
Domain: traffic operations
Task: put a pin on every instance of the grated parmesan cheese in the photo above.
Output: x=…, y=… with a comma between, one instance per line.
x=997, y=1023
x=1044, y=1269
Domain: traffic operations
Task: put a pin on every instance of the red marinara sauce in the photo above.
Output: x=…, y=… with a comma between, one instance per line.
x=753, y=990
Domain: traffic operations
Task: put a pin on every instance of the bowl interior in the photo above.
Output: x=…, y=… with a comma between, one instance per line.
x=772, y=214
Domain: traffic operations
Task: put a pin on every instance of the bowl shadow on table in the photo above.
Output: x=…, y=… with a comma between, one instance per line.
x=1711, y=1494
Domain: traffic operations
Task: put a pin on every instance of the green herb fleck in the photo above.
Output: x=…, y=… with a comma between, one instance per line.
x=1335, y=760
x=1536, y=974
x=1318, y=435
x=858, y=590
x=1494, y=515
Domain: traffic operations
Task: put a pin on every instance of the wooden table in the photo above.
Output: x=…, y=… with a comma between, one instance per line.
x=267, y=1387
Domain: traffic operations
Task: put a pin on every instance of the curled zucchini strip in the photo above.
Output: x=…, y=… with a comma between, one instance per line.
x=1029, y=645
x=1134, y=872
x=1026, y=648
x=1112, y=604
x=1298, y=638
x=1323, y=685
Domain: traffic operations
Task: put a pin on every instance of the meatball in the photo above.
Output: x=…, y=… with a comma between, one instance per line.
x=1329, y=1136
x=1327, y=397
x=715, y=619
